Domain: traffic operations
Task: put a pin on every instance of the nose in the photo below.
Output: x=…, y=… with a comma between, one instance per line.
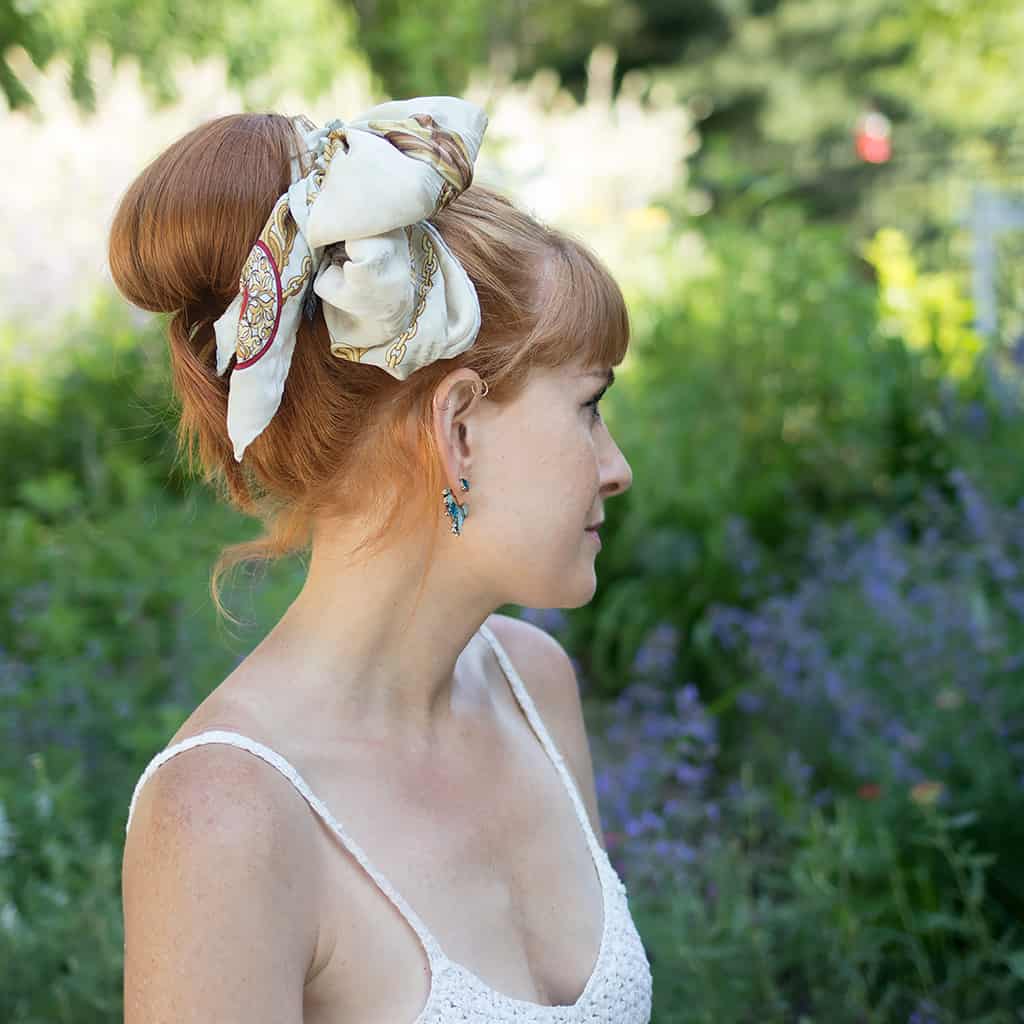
x=616, y=474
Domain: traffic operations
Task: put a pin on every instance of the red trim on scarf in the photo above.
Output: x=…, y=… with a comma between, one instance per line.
x=260, y=244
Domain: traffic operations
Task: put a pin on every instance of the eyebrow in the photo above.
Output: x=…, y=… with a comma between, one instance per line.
x=609, y=376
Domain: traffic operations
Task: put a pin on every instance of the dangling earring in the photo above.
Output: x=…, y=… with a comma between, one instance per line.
x=456, y=512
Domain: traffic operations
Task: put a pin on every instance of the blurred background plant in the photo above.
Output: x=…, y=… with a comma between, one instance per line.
x=802, y=669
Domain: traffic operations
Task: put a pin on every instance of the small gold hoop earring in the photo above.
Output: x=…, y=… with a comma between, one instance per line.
x=481, y=393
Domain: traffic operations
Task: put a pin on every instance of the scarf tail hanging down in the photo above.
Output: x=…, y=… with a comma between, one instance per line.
x=355, y=230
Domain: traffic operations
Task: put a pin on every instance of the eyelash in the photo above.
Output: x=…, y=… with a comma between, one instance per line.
x=592, y=404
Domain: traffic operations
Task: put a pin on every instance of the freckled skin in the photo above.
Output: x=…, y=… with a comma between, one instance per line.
x=546, y=468
x=370, y=686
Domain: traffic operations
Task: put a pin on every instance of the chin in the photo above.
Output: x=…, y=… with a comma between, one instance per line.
x=582, y=590
x=572, y=589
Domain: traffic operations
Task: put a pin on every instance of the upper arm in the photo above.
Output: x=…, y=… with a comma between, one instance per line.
x=219, y=924
x=550, y=678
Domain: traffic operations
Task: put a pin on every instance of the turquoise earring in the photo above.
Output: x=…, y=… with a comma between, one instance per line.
x=456, y=512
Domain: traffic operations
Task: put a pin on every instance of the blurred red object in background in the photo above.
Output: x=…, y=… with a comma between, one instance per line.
x=873, y=137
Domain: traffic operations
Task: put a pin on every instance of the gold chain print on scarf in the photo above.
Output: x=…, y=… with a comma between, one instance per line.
x=397, y=351
x=332, y=142
x=420, y=137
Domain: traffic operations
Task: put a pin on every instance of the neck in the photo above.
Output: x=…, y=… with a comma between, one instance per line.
x=358, y=652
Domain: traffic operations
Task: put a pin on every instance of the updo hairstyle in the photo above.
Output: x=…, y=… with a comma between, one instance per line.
x=348, y=439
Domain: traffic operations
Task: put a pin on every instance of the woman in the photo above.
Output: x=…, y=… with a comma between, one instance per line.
x=374, y=820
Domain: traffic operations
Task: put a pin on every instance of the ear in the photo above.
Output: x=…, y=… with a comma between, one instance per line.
x=456, y=402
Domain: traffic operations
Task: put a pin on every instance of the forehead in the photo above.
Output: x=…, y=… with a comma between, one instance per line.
x=571, y=377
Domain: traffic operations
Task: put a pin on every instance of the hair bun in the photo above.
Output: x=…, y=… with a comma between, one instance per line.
x=183, y=228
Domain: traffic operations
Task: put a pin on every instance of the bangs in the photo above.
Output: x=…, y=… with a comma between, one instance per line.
x=582, y=312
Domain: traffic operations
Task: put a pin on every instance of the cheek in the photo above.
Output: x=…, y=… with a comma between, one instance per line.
x=550, y=477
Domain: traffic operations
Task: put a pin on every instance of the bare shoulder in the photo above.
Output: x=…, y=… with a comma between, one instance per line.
x=219, y=892
x=548, y=674
x=543, y=664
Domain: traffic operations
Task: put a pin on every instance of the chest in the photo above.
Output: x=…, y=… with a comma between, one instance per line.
x=486, y=848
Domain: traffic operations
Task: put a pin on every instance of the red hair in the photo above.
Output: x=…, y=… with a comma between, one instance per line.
x=347, y=437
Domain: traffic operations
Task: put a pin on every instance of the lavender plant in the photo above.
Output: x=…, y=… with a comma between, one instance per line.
x=655, y=759
x=894, y=661
x=832, y=837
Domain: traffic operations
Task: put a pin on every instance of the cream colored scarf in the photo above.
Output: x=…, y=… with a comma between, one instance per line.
x=354, y=232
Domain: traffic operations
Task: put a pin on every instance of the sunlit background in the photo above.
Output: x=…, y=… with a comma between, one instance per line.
x=803, y=670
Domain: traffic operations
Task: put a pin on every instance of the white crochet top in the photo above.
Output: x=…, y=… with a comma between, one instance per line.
x=619, y=988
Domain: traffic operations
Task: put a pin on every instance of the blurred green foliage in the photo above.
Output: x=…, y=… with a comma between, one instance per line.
x=779, y=84
x=107, y=642
x=847, y=916
x=424, y=48
x=780, y=390
x=267, y=47
x=774, y=390
x=61, y=934
x=784, y=89
x=822, y=373
x=800, y=388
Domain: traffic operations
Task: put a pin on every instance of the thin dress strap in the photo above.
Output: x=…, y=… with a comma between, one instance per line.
x=430, y=944
x=533, y=716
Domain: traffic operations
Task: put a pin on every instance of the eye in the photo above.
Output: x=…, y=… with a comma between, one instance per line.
x=592, y=404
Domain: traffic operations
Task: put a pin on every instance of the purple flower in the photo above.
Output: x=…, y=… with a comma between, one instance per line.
x=749, y=702
x=656, y=656
x=848, y=661
x=653, y=767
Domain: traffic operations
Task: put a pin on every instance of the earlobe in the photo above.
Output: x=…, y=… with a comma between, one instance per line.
x=452, y=420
